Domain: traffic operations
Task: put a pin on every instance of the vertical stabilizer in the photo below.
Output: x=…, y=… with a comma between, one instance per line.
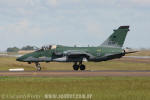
x=117, y=38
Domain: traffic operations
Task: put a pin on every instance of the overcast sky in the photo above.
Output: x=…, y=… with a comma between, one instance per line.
x=70, y=22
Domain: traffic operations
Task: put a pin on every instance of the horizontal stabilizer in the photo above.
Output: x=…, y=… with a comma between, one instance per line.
x=131, y=52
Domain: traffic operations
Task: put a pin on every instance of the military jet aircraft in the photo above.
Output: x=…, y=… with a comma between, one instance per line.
x=108, y=50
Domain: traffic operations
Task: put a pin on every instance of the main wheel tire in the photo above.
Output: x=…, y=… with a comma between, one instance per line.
x=82, y=67
x=75, y=67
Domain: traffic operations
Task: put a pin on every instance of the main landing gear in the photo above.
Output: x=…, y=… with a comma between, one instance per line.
x=38, y=67
x=78, y=66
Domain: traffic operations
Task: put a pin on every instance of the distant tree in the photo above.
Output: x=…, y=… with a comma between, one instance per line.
x=13, y=49
x=75, y=45
x=143, y=49
x=29, y=48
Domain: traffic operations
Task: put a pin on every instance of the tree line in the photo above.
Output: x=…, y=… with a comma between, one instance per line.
x=16, y=49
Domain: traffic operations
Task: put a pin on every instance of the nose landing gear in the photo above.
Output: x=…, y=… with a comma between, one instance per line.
x=38, y=67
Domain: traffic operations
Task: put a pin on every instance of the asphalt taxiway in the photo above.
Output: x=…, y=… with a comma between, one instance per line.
x=77, y=73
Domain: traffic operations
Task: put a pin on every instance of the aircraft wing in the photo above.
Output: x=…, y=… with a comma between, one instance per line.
x=74, y=53
x=74, y=56
x=113, y=56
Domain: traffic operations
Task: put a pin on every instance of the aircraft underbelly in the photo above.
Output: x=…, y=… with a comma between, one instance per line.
x=105, y=58
x=69, y=59
x=44, y=59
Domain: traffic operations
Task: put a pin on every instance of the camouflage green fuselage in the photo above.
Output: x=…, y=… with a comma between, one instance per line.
x=97, y=53
x=111, y=48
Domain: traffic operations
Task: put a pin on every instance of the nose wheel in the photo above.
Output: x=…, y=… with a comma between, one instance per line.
x=79, y=66
x=38, y=67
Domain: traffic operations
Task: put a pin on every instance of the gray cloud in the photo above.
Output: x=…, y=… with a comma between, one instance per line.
x=71, y=22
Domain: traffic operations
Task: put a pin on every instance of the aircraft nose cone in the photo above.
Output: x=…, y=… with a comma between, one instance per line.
x=18, y=59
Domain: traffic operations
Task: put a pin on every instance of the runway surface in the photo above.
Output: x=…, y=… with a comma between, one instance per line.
x=77, y=73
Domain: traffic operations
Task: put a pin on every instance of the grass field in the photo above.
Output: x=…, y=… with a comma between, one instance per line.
x=10, y=62
x=101, y=88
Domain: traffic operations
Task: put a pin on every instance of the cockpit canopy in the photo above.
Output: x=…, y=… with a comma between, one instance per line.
x=49, y=47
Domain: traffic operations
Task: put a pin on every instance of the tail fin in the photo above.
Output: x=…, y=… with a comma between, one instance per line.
x=117, y=38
